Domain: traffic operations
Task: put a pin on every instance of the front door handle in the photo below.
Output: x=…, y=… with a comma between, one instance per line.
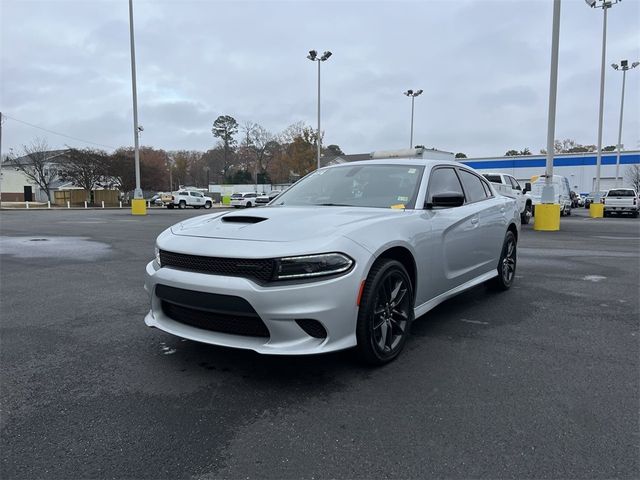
x=474, y=221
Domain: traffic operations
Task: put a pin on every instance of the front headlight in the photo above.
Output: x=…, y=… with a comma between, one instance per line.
x=157, y=252
x=309, y=266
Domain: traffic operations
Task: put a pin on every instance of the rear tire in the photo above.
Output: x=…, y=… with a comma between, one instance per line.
x=385, y=314
x=170, y=206
x=525, y=218
x=507, y=263
x=248, y=205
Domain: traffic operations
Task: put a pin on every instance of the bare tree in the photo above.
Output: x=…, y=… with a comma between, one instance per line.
x=37, y=164
x=86, y=168
x=632, y=173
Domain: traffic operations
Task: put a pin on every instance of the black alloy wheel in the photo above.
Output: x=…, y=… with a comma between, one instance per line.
x=386, y=312
x=507, y=263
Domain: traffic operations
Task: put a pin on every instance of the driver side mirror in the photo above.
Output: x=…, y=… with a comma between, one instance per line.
x=446, y=199
x=527, y=187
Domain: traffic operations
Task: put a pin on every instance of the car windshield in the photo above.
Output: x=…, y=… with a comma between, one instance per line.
x=620, y=193
x=381, y=186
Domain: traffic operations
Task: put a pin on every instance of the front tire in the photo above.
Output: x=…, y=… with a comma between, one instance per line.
x=182, y=205
x=507, y=263
x=385, y=314
x=207, y=205
x=248, y=205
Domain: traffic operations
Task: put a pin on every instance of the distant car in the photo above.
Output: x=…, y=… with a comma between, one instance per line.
x=264, y=199
x=589, y=198
x=156, y=200
x=621, y=200
x=245, y=200
x=188, y=198
x=561, y=193
x=508, y=186
x=346, y=257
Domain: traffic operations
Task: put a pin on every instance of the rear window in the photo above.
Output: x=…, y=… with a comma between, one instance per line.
x=493, y=178
x=621, y=193
x=472, y=185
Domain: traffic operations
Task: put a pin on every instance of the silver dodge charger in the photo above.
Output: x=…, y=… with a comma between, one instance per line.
x=347, y=257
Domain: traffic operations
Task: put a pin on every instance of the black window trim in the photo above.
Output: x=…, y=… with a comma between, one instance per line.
x=441, y=167
x=481, y=178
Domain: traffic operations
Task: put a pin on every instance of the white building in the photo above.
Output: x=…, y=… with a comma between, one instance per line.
x=579, y=168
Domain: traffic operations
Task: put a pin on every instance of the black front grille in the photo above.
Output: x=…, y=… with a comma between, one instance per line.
x=210, y=311
x=259, y=269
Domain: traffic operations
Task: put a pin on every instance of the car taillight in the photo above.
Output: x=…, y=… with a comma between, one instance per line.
x=172, y=197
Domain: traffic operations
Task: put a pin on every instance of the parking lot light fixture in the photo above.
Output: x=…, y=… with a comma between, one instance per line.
x=313, y=56
x=624, y=66
x=413, y=94
x=604, y=5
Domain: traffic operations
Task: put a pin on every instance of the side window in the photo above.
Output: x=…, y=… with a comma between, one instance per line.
x=514, y=183
x=473, y=188
x=487, y=189
x=193, y=194
x=443, y=180
x=184, y=194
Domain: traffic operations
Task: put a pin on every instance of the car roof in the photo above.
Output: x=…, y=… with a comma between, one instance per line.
x=401, y=161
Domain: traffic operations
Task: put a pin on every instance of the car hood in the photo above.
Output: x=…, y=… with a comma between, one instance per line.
x=282, y=224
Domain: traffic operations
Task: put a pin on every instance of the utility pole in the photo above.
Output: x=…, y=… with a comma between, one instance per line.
x=138, y=208
x=413, y=95
x=624, y=66
x=547, y=216
x=313, y=56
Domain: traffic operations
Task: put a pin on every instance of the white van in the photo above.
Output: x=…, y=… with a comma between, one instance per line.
x=561, y=192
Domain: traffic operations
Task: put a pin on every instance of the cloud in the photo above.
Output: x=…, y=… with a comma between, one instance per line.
x=483, y=67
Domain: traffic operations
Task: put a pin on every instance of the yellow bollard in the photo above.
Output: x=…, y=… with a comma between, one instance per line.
x=547, y=217
x=138, y=206
x=596, y=210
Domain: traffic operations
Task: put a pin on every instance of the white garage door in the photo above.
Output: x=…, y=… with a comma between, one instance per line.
x=606, y=183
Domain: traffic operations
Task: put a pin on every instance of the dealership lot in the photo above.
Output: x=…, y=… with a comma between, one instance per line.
x=541, y=381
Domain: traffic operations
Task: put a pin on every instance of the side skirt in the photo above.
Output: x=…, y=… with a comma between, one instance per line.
x=426, y=306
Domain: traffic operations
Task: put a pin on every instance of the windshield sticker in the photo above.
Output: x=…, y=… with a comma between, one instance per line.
x=412, y=171
x=403, y=199
x=399, y=206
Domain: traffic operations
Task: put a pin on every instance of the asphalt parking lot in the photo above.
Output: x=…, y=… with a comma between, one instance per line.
x=538, y=382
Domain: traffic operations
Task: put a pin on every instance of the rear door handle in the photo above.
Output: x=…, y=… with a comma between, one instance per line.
x=474, y=221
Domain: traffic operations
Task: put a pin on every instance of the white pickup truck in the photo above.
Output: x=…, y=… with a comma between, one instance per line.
x=508, y=186
x=187, y=198
x=621, y=200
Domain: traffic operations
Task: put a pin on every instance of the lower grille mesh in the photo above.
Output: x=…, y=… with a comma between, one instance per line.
x=216, y=322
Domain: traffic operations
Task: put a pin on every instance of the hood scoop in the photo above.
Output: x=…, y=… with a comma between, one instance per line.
x=242, y=219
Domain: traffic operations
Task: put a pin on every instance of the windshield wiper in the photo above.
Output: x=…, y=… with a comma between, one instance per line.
x=333, y=205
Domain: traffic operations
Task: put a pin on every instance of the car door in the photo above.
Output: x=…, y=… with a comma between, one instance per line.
x=517, y=192
x=492, y=221
x=455, y=234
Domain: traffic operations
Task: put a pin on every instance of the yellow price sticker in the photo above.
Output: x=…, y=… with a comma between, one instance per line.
x=398, y=206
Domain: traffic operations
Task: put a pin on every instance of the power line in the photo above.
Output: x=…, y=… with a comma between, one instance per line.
x=58, y=133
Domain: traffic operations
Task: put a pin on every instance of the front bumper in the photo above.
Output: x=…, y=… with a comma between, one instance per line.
x=332, y=302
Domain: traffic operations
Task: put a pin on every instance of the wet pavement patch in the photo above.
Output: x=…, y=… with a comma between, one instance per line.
x=76, y=248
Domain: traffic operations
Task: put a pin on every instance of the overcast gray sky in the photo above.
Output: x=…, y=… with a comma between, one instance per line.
x=483, y=65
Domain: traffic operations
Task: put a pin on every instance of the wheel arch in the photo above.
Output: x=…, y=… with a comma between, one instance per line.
x=406, y=258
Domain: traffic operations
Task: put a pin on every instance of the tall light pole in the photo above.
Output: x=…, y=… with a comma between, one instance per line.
x=624, y=66
x=313, y=56
x=137, y=194
x=413, y=95
x=547, y=216
x=604, y=5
